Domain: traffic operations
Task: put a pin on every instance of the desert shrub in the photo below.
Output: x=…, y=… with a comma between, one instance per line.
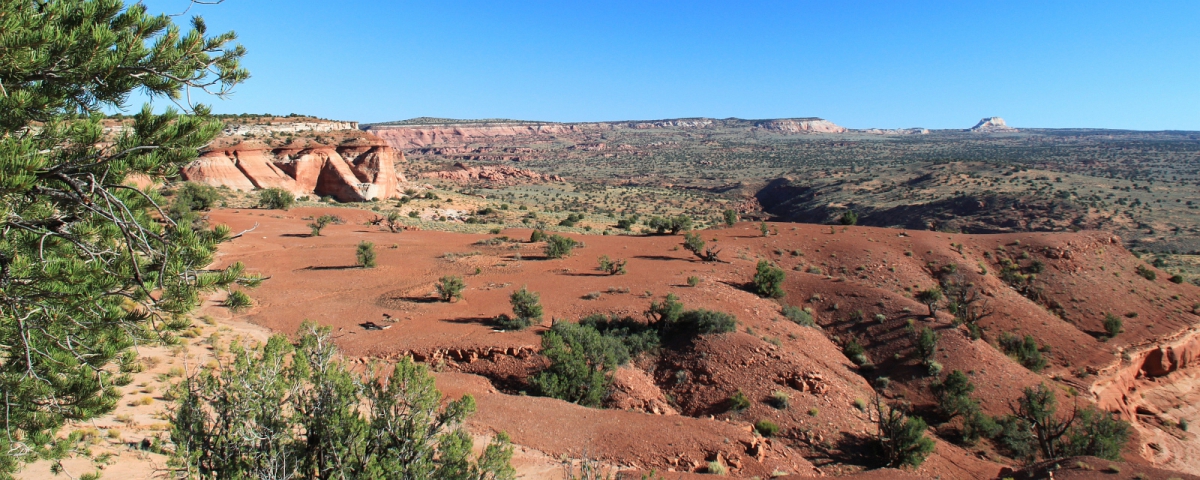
x=1113, y=325
x=672, y=321
x=278, y=411
x=693, y=281
x=764, y=229
x=766, y=428
x=848, y=218
x=1176, y=278
x=976, y=425
x=612, y=267
x=238, y=301
x=1097, y=433
x=582, y=361
x=450, y=287
x=953, y=395
x=730, y=216
x=703, y=322
x=901, y=440
x=666, y=312
x=855, y=352
x=558, y=246
x=365, y=253
x=798, y=316
x=738, y=401
x=526, y=306
x=674, y=224
x=717, y=468
x=571, y=220
x=926, y=344
x=321, y=222
x=693, y=243
x=508, y=322
x=625, y=224
x=637, y=336
x=768, y=280
x=1024, y=350
x=1015, y=439
x=930, y=297
x=276, y=199
x=1146, y=272
x=191, y=197
x=780, y=399
x=537, y=236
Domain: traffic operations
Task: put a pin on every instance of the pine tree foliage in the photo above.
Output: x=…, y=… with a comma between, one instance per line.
x=90, y=265
x=278, y=411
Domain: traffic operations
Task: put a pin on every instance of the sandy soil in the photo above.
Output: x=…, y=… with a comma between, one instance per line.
x=864, y=272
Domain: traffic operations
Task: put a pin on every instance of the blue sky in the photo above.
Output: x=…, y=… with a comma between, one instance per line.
x=860, y=64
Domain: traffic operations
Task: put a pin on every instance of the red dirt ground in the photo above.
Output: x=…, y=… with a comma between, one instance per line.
x=871, y=270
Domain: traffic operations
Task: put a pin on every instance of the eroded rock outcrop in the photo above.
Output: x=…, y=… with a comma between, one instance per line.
x=992, y=125
x=801, y=125
x=493, y=174
x=419, y=136
x=357, y=170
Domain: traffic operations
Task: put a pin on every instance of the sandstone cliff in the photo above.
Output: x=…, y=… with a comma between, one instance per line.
x=416, y=134
x=801, y=125
x=406, y=137
x=356, y=170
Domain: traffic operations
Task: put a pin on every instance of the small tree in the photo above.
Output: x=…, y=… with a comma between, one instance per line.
x=612, y=267
x=558, y=246
x=768, y=280
x=1025, y=350
x=393, y=221
x=192, y=197
x=450, y=288
x=674, y=224
x=762, y=228
x=849, y=218
x=954, y=395
x=693, y=243
x=926, y=345
x=365, y=254
x=538, y=235
x=582, y=362
x=1039, y=407
x=731, y=217
x=278, y=411
x=1097, y=433
x=930, y=297
x=667, y=312
x=276, y=199
x=526, y=306
x=901, y=439
x=90, y=266
x=1113, y=325
x=321, y=222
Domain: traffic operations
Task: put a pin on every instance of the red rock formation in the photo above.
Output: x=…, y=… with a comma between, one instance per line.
x=495, y=174
x=217, y=169
x=366, y=172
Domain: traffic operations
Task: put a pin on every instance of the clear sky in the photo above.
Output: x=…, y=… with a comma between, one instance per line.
x=1118, y=64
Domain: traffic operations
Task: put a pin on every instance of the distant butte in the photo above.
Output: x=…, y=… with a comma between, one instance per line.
x=992, y=125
